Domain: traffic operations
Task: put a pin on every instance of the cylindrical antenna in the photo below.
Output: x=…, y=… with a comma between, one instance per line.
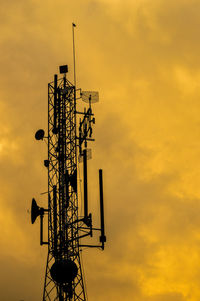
x=55, y=216
x=74, y=56
x=55, y=102
x=102, y=237
x=85, y=184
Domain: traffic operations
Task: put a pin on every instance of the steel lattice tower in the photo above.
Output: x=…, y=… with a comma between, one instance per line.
x=63, y=277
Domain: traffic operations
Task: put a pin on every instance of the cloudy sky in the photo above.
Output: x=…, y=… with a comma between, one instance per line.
x=143, y=58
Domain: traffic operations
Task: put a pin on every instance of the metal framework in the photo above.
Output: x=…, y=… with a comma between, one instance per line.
x=64, y=277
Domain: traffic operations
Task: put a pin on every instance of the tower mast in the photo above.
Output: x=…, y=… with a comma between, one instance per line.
x=64, y=277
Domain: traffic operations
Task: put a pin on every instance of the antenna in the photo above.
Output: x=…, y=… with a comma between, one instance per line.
x=39, y=135
x=55, y=217
x=102, y=237
x=55, y=102
x=35, y=212
x=74, y=54
x=90, y=96
x=85, y=185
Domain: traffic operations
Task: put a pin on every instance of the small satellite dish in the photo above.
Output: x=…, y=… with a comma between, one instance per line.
x=90, y=96
x=39, y=135
x=35, y=211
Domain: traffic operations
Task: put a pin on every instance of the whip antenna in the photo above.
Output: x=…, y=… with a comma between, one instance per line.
x=74, y=56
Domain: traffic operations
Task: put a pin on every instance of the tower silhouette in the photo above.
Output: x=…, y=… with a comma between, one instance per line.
x=67, y=148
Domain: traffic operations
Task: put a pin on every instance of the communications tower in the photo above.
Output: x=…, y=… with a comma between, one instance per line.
x=67, y=148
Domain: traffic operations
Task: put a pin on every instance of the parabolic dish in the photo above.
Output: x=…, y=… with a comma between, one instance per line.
x=35, y=211
x=39, y=135
x=90, y=96
x=64, y=271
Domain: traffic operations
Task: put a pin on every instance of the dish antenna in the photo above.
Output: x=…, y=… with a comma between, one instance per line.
x=90, y=96
x=35, y=212
x=39, y=135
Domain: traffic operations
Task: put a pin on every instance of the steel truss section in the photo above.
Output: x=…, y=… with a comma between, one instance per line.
x=63, y=225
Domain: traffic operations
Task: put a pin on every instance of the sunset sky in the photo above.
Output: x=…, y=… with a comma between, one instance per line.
x=143, y=56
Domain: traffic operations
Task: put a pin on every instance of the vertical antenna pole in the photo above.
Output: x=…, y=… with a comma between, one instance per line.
x=55, y=102
x=74, y=56
x=55, y=216
x=41, y=229
x=102, y=237
x=85, y=184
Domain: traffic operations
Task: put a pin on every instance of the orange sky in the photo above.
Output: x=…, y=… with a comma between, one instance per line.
x=143, y=58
